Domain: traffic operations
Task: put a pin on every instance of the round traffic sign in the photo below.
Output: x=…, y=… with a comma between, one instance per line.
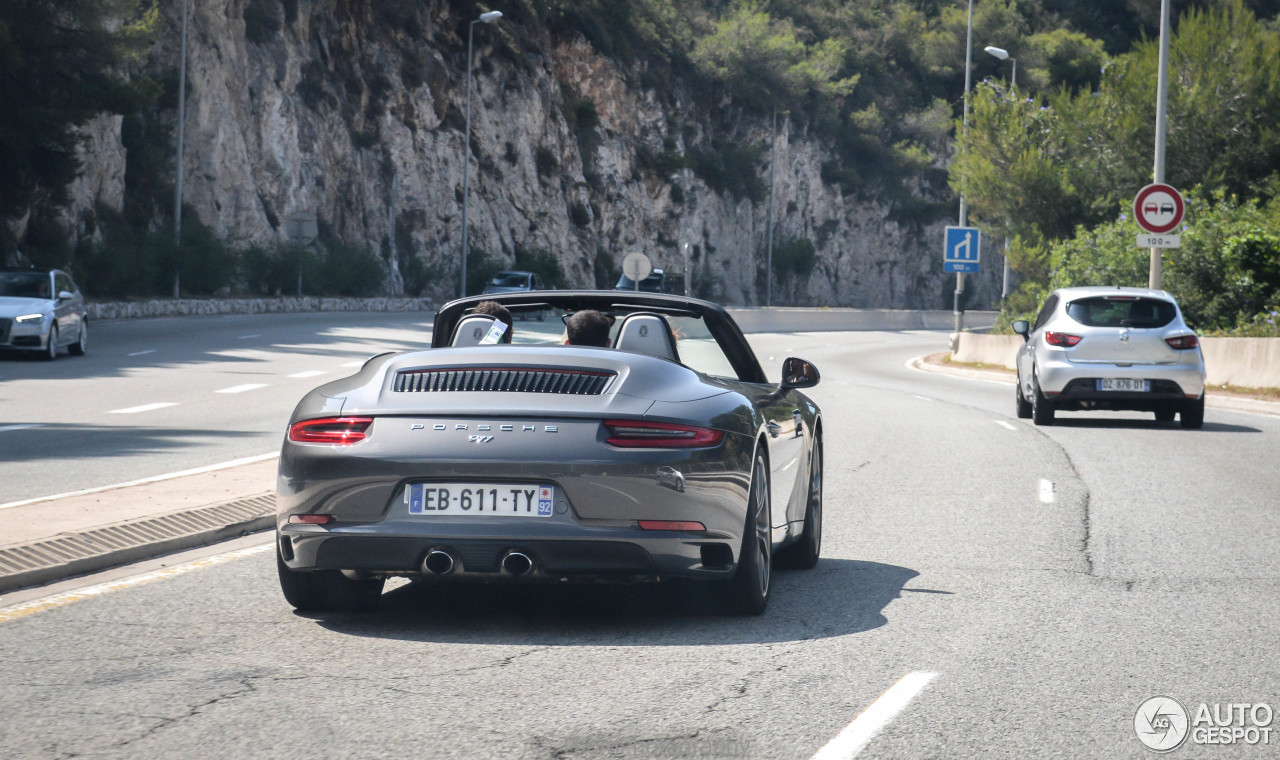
x=1158, y=208
x=636, y=266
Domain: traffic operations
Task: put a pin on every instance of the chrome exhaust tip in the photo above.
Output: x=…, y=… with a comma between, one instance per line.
x=517, y=563
x=438, y=562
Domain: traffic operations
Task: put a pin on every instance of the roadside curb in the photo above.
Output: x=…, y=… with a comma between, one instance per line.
x=70, y=554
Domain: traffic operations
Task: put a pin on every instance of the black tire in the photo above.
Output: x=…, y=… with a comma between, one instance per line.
x=326, y=590
x=1041, y=407
x=1021, y=406
x=1166, y=414
x=804, y=554
x=752, y=581
x=1192, y=415
x=81, y=346
x=51, y=350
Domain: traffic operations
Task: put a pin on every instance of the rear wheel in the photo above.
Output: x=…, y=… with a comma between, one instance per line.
x=1021, y=406
x=1192, y=415
x=749, y=588
x=82, y=343
x=326, y=590
x=1041, y=407
x=804, y=554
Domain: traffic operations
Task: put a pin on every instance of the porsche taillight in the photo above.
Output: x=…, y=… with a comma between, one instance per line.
x=1182, y=342
x=660, y=435
x=340, y=431
x=1065, y=340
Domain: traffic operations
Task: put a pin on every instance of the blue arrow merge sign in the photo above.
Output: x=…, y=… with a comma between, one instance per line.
x=960, y=253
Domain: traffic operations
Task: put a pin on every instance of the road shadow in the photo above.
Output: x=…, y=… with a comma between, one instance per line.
x=836, y=598
x=49, y=441
x=1127, y=423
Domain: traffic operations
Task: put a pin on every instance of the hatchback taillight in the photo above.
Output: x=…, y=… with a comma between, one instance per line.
x=1066, y=340
x=341, y=431
x=1182, y=342
x=660, y=435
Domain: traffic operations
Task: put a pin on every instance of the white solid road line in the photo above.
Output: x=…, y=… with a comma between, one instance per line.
x=141, y=353
x=1046, y=491
x=61, y=600
x=6, y=428
x=143, y=408
x=911, y=364
x=1006, y=425
x=242, y=388
x=308, y=373
x=855, y=736
x=143, y=481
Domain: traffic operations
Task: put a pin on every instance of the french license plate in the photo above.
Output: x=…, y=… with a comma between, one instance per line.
x=479, y=499
x=1123, y=384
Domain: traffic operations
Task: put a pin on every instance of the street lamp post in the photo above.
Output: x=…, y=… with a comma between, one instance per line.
x=487, y=18
x=182, y=122
x=1162, y=100
x=773, y=149
x=1003, y=55
x=964, y=121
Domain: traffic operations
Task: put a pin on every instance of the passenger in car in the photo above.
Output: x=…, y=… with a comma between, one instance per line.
x=499, y=313
x=588, y=328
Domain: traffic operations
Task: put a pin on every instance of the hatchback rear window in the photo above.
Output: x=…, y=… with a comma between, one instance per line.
x=1111, y=311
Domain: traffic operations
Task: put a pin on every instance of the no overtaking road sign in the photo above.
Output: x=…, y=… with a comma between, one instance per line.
x=1158, y=209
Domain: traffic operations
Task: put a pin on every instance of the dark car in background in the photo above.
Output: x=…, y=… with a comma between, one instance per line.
x=658, y=281
x=513, y=282
x=42, y=311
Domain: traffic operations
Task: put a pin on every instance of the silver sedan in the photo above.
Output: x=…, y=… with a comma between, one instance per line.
x=1110, y=348
x=42, y=310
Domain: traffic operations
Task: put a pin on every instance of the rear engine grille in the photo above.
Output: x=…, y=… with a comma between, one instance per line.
x=507, y=379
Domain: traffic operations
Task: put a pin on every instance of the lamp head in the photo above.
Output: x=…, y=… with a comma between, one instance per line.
x=1000, y=53
x=491, y=16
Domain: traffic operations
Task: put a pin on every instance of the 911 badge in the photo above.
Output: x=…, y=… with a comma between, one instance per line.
x=544, y=502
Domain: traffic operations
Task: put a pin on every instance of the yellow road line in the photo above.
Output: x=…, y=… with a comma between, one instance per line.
x=61, y=600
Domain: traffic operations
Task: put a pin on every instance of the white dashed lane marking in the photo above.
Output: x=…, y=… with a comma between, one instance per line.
x=855, y=736
x=308, y=373
x=242, y=388
x=143, y=408
x=1005, y=425
x=143, y=353
x=1046, y=491
x=247, y=337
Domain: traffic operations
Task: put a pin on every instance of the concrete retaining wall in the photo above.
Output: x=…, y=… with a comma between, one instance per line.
x=780, y=319
x=751, y=320
x=1244, y=362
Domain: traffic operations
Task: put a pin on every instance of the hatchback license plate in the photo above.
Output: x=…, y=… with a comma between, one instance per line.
x=479, y=499
x=1124, y=384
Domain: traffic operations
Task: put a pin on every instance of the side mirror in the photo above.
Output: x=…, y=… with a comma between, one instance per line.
x=1022, y=328
x=798, y=373
x=65, y=295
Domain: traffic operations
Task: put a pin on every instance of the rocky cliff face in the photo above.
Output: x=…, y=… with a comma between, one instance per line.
x=355, y=111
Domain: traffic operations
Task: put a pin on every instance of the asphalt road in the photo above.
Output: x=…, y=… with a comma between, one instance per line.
x=1026, y=589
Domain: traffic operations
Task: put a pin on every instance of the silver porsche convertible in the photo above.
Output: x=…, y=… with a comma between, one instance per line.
x=665, y=455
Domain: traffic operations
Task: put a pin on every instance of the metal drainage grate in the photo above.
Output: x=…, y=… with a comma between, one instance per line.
x=74, y=553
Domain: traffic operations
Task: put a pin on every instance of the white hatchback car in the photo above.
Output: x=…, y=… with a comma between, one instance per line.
x=1110, y=348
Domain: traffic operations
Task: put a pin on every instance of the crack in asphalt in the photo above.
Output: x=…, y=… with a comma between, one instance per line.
x=246, y=687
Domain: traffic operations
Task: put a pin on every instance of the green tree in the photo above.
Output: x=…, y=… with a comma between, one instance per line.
x=60, y=65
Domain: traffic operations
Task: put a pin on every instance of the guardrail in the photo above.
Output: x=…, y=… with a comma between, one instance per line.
x=1243, y=362
x=822, y=319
